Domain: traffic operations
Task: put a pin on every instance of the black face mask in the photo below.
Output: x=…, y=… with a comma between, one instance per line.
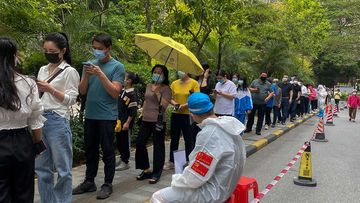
x=263, y=79
x=53, y=57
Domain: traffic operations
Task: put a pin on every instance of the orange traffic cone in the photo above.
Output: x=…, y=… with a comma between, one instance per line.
x=319, y=134
x=335, y=111
x=329, y=116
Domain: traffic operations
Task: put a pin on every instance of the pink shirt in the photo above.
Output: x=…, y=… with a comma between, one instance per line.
x=353, y=101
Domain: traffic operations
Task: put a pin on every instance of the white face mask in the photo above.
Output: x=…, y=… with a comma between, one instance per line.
x=181, y=74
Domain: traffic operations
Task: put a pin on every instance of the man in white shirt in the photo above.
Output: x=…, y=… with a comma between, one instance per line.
x=225, y=92
x=304, y=99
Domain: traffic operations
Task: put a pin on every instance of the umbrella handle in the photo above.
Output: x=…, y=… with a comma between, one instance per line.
x=168, y=56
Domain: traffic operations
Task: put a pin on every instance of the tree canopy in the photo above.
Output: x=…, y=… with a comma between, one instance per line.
x=316, y=40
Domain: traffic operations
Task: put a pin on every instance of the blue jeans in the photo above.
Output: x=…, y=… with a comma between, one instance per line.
x=284, y=109
x=58, y=140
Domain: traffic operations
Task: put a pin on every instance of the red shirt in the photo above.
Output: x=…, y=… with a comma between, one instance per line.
x=353, y=101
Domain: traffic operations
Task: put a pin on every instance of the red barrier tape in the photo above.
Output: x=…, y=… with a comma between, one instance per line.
x=282, y=173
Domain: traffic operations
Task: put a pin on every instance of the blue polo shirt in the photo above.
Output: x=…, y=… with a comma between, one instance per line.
x=99, y=104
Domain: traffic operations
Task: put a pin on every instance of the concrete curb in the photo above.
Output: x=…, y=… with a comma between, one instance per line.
x=257, y=145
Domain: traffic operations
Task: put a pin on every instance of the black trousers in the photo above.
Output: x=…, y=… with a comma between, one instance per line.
x=123, y=144
x=285, y=109
x=141, y=155
x=314, y=104
x=260, y=109
x=306, y=105
x=268, y=115
x=17, y=160
x=99, y=132
x=337, y=101
x=181, y=123
x=276, y=115
x=195, y=130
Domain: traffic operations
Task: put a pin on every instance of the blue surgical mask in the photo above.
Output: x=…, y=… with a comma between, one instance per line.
x=157, y=78
x=181, y=74
x=222, y=81
x=240, y=82
x=99, y=54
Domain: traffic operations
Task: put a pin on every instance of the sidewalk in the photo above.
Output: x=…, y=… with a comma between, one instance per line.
x=126, y=189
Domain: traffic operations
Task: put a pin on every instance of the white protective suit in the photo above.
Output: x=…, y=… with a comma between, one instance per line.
x=215, y=166
x=321, y=94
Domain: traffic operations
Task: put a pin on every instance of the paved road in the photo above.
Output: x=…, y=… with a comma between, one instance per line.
x=336, y=165
x=128, y=190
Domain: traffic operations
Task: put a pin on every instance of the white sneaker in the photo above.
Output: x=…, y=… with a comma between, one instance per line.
x=266, y=127
x=121, y=166
x=169, y=165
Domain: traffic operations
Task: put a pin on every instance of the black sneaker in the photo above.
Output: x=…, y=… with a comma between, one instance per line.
x=84, y=187
x=247, y=131
x=258, y=133
x=273, y=126
x=105, y=192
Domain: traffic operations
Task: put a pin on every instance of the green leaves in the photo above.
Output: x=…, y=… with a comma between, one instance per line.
x=237, y=35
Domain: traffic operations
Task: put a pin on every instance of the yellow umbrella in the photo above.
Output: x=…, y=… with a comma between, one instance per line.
x=169, y=52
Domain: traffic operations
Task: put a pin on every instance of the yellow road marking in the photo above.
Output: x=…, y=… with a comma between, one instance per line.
x=291, y=126
x=260, y=143
x=278, y=133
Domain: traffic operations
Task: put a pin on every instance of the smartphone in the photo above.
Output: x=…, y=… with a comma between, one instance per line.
x=39, y=147
x=87, y=63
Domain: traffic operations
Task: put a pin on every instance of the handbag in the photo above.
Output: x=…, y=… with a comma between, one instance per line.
x=159, y=126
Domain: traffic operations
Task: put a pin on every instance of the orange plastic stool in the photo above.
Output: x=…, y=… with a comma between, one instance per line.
x=242, y=189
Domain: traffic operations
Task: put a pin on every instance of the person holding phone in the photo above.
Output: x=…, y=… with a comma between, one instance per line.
x=225, y=92
x=58, y=83
x=20, y=110
x=157, y=98
x=101, y=82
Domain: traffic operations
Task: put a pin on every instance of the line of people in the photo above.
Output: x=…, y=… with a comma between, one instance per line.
x=43, y=104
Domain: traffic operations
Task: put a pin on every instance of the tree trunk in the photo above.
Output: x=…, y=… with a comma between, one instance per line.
x=201, y=45
x=148, y=24
x=218, y=67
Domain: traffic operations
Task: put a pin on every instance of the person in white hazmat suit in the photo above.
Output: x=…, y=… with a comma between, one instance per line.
x=215, y=164
x=321, y=95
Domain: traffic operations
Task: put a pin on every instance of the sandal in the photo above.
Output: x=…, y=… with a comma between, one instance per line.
x=154, y=180
x=143, y=175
